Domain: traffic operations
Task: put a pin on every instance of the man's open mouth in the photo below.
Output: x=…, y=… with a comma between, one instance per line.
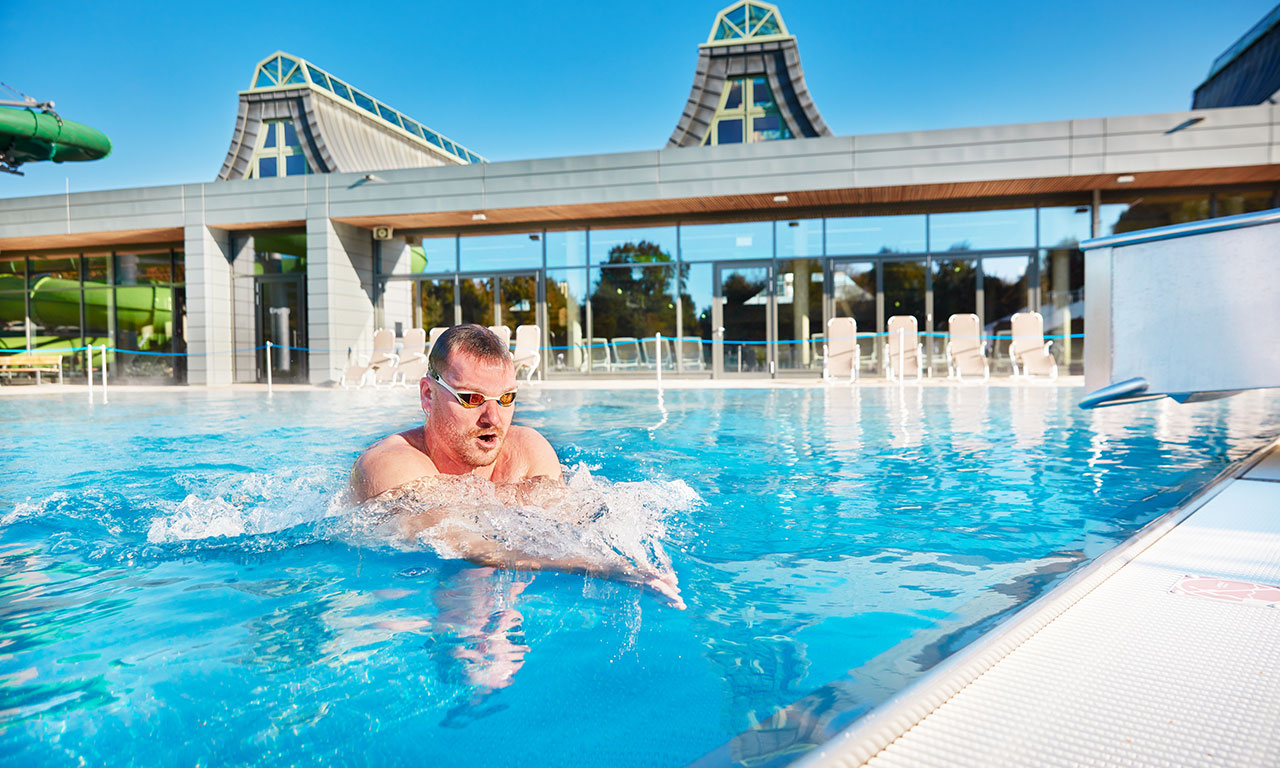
x=488, y=439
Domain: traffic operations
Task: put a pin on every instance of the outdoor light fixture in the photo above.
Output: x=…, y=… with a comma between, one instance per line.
x=479, y=217
x=779, y=198
x=1126, y=179
x=533, y=237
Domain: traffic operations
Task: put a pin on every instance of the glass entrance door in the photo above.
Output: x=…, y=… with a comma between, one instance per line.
x=508, y=299
x=281, y=319
x=902, y=284
x=798, y=299
x=742, y=316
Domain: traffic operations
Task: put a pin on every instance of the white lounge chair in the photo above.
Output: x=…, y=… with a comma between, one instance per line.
x=413, y=357
x=528, y=352
x=626, y=352
x=902, y=348
x=601, y=355
x=843, y=356
x=381, y=366
x=691, y=353
x=650, y=347
x=1028, y=351
x=966, y=348
x=433, y=335
x=503, y=333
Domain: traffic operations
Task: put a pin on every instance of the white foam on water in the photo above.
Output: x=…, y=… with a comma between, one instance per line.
x=589, y=520
x=245, y=505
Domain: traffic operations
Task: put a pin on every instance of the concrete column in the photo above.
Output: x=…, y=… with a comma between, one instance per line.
x=397, y=296
x=207, y=256
x=1061, y=294
x=800, y=272
x=339, y=294
x=245, y=319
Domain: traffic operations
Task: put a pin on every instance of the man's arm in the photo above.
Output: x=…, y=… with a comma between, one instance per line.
x=481, y=550
x=388, y=463
x=540, y=458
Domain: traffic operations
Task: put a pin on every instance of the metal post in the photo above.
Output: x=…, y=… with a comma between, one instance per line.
x=657, y=356
x=88, y=364
x=269, y=390
x=104, y=374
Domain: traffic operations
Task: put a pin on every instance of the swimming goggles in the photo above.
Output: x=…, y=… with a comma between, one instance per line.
x=475, y=399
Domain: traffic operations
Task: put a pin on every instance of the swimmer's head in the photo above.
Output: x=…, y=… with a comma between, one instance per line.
x=475, y=341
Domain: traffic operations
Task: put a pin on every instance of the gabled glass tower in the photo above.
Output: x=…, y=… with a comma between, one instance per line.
x=749, y=85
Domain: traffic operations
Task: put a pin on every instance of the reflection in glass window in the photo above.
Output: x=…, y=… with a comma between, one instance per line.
x=266, y=167
x=738, y=240
x=290, y=134
x=876, y=234
x=566, y=318
x=615, y=246
x=319, y=77
x=1235, y=203
x=96, y=269
x=734, y=98
x=364, y=102
x=729, y=132
x=633, y=302
x=1004, y=289
x=1065, y=227
x=435, y=303
x=389, y=115
x=143, y=268
x=801, y=237
x=1148, y=212
x=566, y=249
x=955, y=290
x=489, y=252
x=435, y=255
x=295, y=165
x=1062, y=301
x=982, y=230
x=269, y=140
x=341, y=89
x=761, y=93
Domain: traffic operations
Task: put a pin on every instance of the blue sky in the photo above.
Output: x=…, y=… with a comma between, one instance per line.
x=524, y=80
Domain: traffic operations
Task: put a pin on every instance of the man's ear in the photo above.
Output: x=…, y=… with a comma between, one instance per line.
x=424, y=394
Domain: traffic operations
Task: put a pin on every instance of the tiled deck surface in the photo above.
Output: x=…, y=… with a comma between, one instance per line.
x=1134, y=665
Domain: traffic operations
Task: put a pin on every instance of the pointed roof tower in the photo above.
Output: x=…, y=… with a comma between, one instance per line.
x=749, y=85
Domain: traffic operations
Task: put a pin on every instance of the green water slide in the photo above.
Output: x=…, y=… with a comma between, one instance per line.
x=145, y=309
x=29, y=136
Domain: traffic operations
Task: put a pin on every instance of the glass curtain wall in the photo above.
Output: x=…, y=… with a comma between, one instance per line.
x=129, y=301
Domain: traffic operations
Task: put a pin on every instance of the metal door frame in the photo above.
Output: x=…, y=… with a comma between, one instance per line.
x=260, y=322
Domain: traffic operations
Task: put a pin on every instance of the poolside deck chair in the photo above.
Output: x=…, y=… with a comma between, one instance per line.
x=902, y=349
x=528, y=354
x=650, y=347
x=626, y=352
x=380, y=367
x=433, y=335
x=502, y=332
x=843, y=356
x=601, y=355
x=691, y=353
x=965, y=348
x=1028, y=351
x=413, y=357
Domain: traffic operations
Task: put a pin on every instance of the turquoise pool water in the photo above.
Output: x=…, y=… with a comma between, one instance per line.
x=177, y=584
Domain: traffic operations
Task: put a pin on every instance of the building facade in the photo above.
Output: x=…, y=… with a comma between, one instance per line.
x=739, y=251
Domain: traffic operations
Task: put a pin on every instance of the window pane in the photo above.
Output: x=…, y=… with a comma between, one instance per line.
x=364, y=102
x=143, y=321
x=490, y=252
x=1004, y=290
x=266, y=167
x=955, y=290
x=95, y=269
x=644, y=244
x=1062, y=302
x=734, y=99
x=341, y=89
x=10, y=267
x=768, y=128
x=413, y=127
x=982, y=230
x=435, y=303
x=1162, y=211
x=295, y=165
x=854, y=290
x=798, y=290
x=290, y=135
x=696, y=300
x=277, y=253
x=143, y=268
x=179, y=268
x=61, y=267
x=269, y=138
x=761, y=94
x=631, y=303
x=729, y=132
x=1064, y=227
x=389, y=115
x=566, y=318
x=319, y=77
x=1233, y=203
x=876, y=234
x=566, y=249
x=739, y=240
x=477, y=300
x=434, y=138
x=13, y=318
x=436, y=254
x=802, y=237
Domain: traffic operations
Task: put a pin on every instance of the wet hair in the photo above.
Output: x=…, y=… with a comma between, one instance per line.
x=475, y=340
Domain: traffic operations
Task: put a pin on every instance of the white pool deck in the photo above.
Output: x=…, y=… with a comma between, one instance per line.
x=1128, y=663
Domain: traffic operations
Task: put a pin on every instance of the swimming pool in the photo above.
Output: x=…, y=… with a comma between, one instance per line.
x=177, y=586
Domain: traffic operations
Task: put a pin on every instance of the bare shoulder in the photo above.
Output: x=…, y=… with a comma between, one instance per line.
x=535, y=455
x=389, y=463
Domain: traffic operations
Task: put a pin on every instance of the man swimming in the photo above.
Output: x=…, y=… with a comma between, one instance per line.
x=468, y=396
